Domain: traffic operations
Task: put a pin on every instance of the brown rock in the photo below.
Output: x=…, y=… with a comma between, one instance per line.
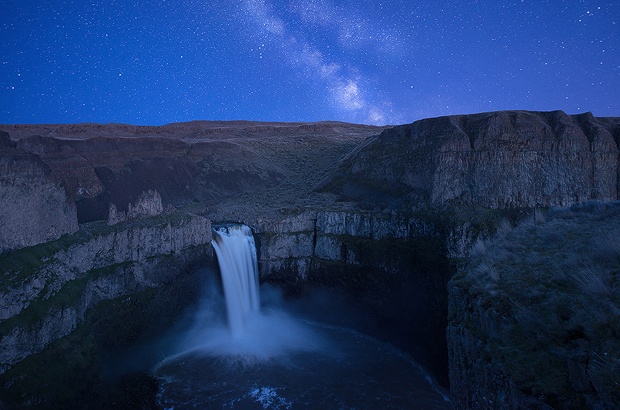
x=33, y=207
x=502, y=159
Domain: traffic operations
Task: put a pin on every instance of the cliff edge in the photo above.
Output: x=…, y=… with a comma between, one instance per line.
x=506, y=159
x=533, y=316
x=34, y=208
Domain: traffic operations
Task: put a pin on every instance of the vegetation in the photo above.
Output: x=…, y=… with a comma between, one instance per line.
x=109, y=328
x=41, y=374
x=22, y=264
x=68, y=295
x=553, y=285
x=95, y=348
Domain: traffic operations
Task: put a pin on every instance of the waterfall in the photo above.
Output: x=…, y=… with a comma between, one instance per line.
x=236, y=255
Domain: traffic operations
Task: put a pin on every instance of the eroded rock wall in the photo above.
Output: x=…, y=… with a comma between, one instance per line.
x=290, y=244
x=506, y=159
x=391, y=269
x=33, y=207
x=43, y=303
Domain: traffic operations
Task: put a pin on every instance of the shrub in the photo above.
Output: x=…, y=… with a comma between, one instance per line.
x=555, y=280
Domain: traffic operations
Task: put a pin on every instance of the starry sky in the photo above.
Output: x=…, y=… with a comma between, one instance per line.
x=151, y=62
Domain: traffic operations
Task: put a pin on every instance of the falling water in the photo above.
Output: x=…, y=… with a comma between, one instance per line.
x=272, y=360
x=236, y=255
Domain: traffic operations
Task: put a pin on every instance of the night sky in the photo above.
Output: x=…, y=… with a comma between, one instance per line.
x=382, y=62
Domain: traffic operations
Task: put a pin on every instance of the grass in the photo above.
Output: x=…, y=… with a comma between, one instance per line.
x=78, y=380
x=22, y=264
x=18, y=267
x=555, y=280
x=68, y=295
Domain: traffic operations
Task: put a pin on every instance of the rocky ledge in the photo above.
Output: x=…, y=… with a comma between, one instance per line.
x=533, y=316
x=49, y=288
x=507, y=159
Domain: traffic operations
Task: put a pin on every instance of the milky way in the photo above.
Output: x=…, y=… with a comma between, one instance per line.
x=380, y=62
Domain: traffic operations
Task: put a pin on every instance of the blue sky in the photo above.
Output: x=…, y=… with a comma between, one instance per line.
x=382, y=62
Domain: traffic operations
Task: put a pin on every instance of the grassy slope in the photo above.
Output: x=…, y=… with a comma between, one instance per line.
x=555, y=281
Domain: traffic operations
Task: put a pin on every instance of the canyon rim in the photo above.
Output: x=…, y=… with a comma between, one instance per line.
x=106, y=228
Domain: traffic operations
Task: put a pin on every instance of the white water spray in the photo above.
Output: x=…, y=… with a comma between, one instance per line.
x=251, y=335
x=236, y=255
x=273, y=360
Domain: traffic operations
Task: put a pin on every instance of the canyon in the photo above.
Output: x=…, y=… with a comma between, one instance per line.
x=106, y=229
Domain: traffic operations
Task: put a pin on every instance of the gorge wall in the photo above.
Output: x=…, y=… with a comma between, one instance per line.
x=508, y=159
x=390, y=267
x=34, y=208
x=385, y=215
x=53, y=290
x=533, y=314
x=130, y=269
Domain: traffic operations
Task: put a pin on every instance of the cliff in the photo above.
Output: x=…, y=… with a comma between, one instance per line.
x=506, y=159
x=392, y=267
x=80, y=295
x=289, y=245
x=229, y=166
x=51, y=287
x=33, y=207
x=533, y=316
x=382, y=215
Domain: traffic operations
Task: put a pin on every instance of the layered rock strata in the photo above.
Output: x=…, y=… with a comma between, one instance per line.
x=47, y=299
x=506, y=159
x=290, y=245
x=386, y=265
x=34, y=208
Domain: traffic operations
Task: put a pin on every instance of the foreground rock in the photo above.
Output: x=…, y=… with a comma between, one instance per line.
x=534, y=315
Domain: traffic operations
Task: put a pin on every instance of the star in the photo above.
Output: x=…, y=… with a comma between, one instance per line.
x=310, y=59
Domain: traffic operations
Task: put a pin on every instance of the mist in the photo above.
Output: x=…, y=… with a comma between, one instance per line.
x=270, y=333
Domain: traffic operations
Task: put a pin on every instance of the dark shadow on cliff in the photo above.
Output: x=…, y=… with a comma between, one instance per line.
x=397, y=314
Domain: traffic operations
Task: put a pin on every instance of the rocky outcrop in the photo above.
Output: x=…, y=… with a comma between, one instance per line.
x=33, y=207
x=69, y=166
x=533, y=315
x=478, y=380
x=389, y=265
x=506, y=159
x=290, y=244
x=286, y=246
x=148, y=204
x=46, y=302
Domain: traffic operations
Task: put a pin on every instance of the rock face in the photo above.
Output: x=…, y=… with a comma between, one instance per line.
x=292, y=243
x=533, y=314
x=33, y=207
x=391, y=265
x=100, y=263
x=382, y=214
x=147, y=204
x=478, y=380
x=505, y=159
